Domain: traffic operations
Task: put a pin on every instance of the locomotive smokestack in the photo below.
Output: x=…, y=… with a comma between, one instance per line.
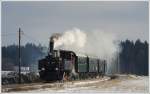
x=51, y=44
x=53, y=38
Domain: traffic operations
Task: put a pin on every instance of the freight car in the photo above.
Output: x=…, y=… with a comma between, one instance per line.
x=63, y=64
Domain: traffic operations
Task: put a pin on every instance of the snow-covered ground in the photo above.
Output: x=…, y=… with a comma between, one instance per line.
x=124, y=83
x=6, y=73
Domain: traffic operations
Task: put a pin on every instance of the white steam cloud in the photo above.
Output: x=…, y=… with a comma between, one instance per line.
x=96, y=43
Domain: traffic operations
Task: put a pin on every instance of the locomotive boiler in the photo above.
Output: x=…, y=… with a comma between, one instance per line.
x=68, y=65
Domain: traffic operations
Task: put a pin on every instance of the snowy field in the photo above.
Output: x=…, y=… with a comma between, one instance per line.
x=124, y=83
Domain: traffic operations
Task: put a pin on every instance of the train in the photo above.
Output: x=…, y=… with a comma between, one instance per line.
x=68, y=65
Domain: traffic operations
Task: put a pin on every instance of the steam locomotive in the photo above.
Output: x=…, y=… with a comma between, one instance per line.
x=67, y=65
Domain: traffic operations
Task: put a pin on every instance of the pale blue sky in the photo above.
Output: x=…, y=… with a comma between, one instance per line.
x=40, y=19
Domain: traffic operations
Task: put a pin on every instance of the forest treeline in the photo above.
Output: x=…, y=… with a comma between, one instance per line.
x=133, y=59
x=30, y=54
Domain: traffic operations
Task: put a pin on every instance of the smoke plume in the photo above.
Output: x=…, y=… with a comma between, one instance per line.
x=95, y=43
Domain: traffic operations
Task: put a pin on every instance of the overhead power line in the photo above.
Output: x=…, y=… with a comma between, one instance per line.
x=23, y=35
x=8, y=34
x=31, y=38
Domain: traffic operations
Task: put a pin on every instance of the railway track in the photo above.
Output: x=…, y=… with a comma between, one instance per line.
x=54, y=85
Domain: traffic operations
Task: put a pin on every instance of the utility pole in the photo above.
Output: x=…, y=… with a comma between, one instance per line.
x=19, y=56
x=118, y=63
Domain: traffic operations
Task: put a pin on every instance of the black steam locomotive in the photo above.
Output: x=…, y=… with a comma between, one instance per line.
x=66, y=65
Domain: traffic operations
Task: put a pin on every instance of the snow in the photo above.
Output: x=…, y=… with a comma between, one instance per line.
x=6, y=73
x=124, y=83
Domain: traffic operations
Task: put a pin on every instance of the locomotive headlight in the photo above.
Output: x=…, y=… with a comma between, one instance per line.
x=56, y=68
x=43, y=68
